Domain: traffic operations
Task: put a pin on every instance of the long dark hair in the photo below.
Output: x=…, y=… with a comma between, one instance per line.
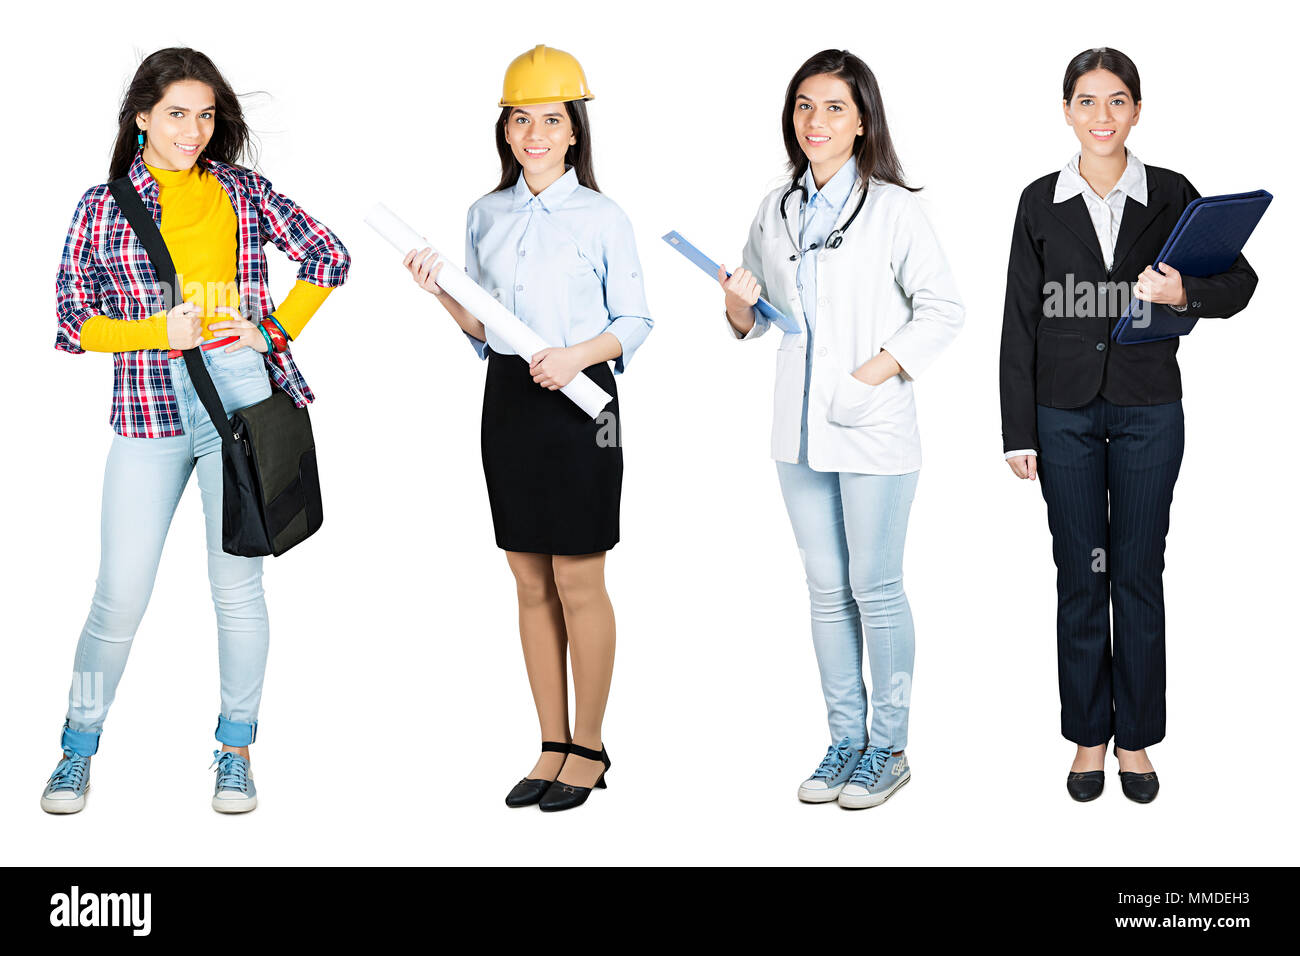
x=578, y=156
x=1102, y=58
x=231, y=139
x=873, y=151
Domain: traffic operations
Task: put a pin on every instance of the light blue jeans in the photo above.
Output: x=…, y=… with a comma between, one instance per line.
x=143, y=482
x=850, y=530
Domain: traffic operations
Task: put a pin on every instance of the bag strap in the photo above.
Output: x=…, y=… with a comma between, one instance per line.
x=146, y=230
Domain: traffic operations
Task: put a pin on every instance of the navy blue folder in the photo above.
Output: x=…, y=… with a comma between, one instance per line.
x=1207, y=240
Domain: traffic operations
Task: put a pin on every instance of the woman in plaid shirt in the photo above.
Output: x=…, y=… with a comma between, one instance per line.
x=180, y=138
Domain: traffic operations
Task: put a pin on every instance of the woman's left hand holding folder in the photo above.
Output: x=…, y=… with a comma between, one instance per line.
x=1163, y=288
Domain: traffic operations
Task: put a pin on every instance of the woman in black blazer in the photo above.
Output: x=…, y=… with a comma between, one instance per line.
x=1099, y=423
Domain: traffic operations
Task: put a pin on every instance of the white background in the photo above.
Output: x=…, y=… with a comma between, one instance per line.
x=396, y=712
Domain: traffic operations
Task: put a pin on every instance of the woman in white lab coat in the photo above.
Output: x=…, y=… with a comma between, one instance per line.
x=846, y=253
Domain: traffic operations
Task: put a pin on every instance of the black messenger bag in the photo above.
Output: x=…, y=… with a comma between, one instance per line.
x=271, y=495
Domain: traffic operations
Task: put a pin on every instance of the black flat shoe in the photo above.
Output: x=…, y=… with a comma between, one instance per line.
x=1138, y=787
x=1085, y=785
x=530, y=790
x=566, y=796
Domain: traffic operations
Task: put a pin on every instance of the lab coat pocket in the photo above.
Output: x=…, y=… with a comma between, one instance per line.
x=853, y=401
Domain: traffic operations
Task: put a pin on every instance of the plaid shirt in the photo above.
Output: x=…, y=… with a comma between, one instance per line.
x=106, y=271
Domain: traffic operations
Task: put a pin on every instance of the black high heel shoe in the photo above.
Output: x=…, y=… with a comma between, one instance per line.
x=530, y=790
x=566, y=796
x=1138, y=787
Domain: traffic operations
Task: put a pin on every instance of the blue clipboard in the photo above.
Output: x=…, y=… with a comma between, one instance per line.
x=1208, y=238
x=765, y=308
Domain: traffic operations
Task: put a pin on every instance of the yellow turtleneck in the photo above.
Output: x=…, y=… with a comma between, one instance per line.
x=202, y=235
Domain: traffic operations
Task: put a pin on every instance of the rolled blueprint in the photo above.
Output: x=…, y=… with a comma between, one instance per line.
x=453, y=280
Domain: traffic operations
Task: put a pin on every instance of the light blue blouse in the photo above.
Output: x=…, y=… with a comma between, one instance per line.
x=563, y=261
x=816, y=222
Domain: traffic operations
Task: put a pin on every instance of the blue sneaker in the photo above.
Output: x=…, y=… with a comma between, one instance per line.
x=65, y=791
x=234, y=792
x=828, y=779
x=877, y=776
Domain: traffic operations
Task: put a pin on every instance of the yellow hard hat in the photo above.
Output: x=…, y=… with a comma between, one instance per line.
x=544, y=75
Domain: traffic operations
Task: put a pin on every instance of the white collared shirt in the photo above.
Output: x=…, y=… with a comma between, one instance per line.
x=1106, y=213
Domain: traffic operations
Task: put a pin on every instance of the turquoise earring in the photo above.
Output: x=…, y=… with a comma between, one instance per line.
x=139, y=139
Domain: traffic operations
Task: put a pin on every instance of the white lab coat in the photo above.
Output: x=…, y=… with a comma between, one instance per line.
x=887, y=286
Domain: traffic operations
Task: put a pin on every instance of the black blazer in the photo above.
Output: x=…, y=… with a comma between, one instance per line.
x=1053, y=359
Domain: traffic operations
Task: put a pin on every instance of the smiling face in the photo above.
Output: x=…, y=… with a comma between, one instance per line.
x=826, y=122
x=1101, y=112
x=539, y=136
x=179, y=126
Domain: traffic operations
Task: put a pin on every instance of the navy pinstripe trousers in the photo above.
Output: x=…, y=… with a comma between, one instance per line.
x=1107, y=473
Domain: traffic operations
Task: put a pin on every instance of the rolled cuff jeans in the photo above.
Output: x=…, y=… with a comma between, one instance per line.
x=850, y=529
x=143, y=482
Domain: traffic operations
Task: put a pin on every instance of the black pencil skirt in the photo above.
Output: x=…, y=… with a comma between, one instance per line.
x=554, y=476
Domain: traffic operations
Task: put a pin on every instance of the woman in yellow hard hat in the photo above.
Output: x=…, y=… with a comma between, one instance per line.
x=561, y=257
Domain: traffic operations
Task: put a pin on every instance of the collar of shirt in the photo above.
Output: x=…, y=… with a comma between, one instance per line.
x=141, y=178
x=550, y=198
x=1132, y=184
x=148, y=187
x=836, y=191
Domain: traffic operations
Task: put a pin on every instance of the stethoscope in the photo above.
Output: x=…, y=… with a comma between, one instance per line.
x=835, y=238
